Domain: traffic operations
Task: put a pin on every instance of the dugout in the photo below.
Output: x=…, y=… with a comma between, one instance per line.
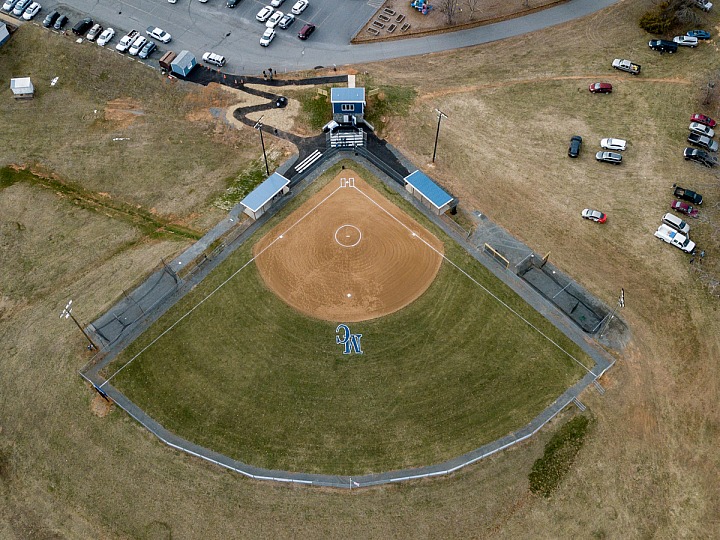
x=263, y=196
x=429, y=193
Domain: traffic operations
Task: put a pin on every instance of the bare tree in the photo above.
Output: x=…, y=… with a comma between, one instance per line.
x=450, y=9
x=473, y=6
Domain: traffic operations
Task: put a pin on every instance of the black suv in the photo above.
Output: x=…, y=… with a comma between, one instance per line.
x=50, y=19
x=575, y=144
x=663, y=45
x=701, y=156
x=232, y=3
x=82, y=26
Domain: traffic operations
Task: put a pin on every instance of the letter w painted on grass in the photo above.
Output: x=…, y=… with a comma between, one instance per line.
x=351, y=341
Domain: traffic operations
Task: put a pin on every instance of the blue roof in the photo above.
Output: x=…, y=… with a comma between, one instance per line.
x=347, y=95
x=434, y=193
x=265, y=191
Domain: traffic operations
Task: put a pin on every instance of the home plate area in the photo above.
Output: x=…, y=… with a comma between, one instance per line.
x=348, y=254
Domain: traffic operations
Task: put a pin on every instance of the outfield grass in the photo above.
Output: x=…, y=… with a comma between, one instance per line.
x=248, y=376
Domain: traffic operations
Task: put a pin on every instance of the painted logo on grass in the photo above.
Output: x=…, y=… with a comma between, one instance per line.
x=350, y=341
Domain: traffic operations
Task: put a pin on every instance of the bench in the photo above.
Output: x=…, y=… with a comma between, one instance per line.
x=305, y=163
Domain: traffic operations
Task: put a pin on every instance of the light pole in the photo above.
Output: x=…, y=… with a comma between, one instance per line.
x=440, y=116
x=67, y=312
x=259, y=126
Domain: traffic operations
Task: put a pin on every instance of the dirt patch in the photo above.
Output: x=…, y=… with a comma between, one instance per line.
x=123, y=111
x=397, y=20
x=348, y=254
x=100, y=407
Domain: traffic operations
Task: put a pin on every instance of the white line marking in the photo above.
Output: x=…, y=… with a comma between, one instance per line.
x=348, y=236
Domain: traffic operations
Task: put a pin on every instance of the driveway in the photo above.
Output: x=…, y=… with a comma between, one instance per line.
x=234, y=33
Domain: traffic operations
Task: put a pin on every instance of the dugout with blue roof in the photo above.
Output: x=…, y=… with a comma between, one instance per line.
x=263, y=196
x=425, y=189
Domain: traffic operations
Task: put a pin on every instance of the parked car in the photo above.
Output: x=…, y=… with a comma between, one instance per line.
x=701, y=118
x=671, y=236
x=701, y=129
x=21, y=6
x=609, y=157
x=286, y=21
x=594, y=215
x=147, y=49
x=575, y=145
x=94, y=32
x=159, y=34
x=671, y=220
x=264, y=14
x=82, y=26
x=267, y=37
x=600, y=88
x=700, y=34
x=687, y=195
x=105, y=37
x=274, y=19
x=50, y=19
x=9, y=5
x=214, y=59
x=276, y=3
x=138, y=44
x=300, y=6
x=684, y=208
x=306, y=31
x=701, y=156
x=60, y=22
x=126, y=41
x=232, y=3
x=663, y=46
x=703, y=142
x=686, y=41
x=617, y=145
x=31, y=11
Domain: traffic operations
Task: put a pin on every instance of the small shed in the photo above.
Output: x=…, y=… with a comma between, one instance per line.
x=423, y=188
x=348, y=105
x=22, y=87
x=4, y=33
x=183, y=63
x=263, y=196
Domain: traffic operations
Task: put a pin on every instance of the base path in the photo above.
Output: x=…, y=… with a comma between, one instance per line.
x=348, y=254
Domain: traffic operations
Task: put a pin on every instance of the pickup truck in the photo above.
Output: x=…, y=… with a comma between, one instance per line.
x=687, y=195
x=126, y=41
x=671, y=236
x=703, y=142
x=626, y=65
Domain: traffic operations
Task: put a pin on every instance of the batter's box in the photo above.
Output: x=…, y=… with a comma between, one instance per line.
x=347, y=182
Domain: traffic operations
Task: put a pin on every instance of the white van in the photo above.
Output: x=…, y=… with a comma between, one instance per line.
x=671, y=220
x=212, y=58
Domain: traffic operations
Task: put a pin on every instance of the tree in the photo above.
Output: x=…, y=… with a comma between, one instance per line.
x=473, y=6
x=450, y=9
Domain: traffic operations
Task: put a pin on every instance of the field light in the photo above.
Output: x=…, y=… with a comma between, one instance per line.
x=258, y=125
x=440, y=116
x=67, y=313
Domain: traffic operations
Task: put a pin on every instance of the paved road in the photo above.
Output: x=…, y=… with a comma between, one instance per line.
x=235, y=34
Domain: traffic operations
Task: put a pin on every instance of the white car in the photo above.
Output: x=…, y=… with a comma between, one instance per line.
x=172, y=1
x=264, y=14
x=138, y=44
x=159, y=34
x=286, y=21
x=274, y=19
x=267, y=37
x=213, y=58
x=701, y=129
x=276, y=3
x=613, y=144
x=686, y=41
x=31, y=11
x=671, y=236
x=9, y=5
x=299, y=7
x=105, y=37
x=20, y=7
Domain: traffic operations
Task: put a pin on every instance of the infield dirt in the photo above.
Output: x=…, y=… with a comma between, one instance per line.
x=348, y=254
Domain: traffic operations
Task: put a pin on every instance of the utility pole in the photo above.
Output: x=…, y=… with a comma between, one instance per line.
x=67, y=312
x=259, y=126
x=440, y=116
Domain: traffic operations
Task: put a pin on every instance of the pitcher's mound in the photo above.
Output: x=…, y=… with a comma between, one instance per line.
x=348, y=254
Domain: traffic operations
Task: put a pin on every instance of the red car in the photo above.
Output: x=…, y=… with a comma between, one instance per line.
x=701, y=118
x=601, y=88
x=684, y=208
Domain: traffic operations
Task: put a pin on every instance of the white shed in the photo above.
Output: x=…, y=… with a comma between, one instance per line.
x=22, y=87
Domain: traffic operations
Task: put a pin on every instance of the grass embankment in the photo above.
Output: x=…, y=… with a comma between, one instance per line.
x=262, y=383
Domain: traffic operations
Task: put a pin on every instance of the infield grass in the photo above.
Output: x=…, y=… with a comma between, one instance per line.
x=250, y=377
